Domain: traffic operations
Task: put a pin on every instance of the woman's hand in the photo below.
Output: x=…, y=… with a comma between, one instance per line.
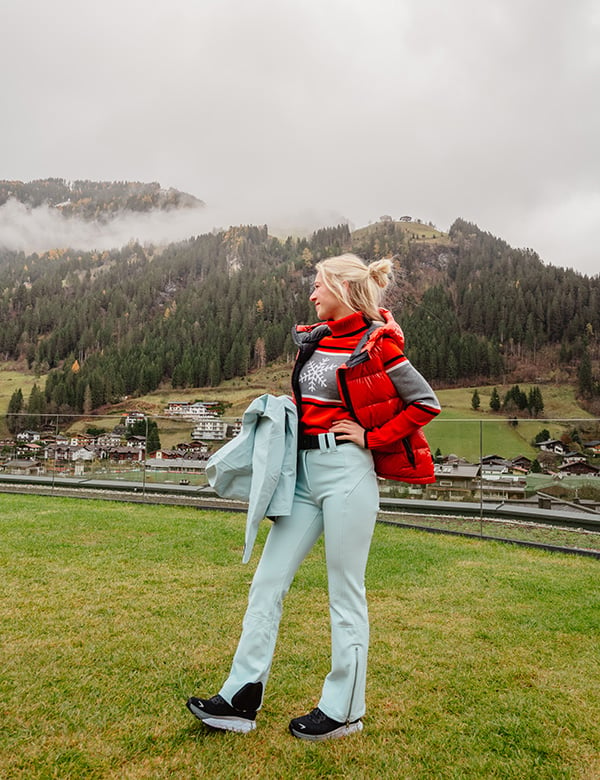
x=349, y=430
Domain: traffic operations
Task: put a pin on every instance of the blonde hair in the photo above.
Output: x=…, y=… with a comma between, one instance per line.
x=358, y=285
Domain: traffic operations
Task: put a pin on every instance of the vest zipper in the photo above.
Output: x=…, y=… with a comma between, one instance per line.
x=409, y=451
x=343, y=384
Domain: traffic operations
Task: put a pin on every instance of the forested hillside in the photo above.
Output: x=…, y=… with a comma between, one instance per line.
x=95, y=199
x=193, y=313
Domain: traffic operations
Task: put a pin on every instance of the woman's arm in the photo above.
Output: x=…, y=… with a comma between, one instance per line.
x=421, y=403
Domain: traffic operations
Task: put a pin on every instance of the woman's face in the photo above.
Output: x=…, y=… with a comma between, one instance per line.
x=327, y=305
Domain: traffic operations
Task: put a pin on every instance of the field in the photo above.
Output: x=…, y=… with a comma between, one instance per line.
x=11, y=380
x=485, y=658
x=458, y=429
x=468, y=433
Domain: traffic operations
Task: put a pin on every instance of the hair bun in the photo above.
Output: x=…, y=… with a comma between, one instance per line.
x=379, y=271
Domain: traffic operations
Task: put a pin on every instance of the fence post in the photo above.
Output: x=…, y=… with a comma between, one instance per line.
x=481, y=477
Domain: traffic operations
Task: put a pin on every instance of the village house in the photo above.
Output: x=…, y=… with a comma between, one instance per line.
x=192, y=411
x=454, y=481
x=167, y=454
x=134, y=417
x=31, y=450
x=59, y=440
x=176, y=465
x=506, y=487
x=137, y=441
x=457, y=480
x=70, y=452
x=193, y=449
x=81, y=440
x=105, y=440
x=594, y=446
x=493, y=460
x=125, y=454
x=494, y=470
x=23, y=466
x=28, y=436
x=56, y=451
x=573, y=457
x=211, y=429
x=579, y=467
x=85, y=453
x=521, y=464
x=552, y=445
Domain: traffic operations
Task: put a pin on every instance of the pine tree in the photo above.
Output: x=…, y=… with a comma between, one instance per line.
x=535, y=402
x=542, y=435
x=495, y=401
x=152, y=438
x=584, y=375
x=87, y=399
x=475, y=400
x=36, y=408
x=14, y=422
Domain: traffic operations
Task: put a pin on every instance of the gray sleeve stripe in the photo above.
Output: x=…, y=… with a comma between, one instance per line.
x=412, y=387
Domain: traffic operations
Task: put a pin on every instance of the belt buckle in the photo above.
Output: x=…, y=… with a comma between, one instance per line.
x=327, y=442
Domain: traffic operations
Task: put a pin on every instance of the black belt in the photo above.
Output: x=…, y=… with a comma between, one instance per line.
x=308, y=441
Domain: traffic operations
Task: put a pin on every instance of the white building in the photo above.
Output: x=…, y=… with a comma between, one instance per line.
x=108, y=440
x=210, y=428
x=195, y=411
x=134, y=417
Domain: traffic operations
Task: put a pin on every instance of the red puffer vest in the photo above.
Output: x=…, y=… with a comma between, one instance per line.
x=370, y=396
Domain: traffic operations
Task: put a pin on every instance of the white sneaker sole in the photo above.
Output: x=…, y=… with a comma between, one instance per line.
x=343, y=731
x=223, y=722
x=239, y=725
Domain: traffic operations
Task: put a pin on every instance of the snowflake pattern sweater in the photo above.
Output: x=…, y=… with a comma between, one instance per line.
x=317, y=381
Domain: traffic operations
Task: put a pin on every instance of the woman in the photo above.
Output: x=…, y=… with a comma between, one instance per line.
x=361, y=406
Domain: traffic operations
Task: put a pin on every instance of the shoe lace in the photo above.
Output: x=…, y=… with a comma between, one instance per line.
x=316, y=716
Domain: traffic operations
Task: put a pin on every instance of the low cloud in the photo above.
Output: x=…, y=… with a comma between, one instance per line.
x=42, y=228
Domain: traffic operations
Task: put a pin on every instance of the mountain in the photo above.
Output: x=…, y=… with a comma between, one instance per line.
x=95, y=200
x=103, y=325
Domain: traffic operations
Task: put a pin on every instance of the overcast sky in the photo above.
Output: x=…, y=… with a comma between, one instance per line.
x=299, y=113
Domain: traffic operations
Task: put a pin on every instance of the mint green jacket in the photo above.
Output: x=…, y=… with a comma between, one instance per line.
x=259, y=464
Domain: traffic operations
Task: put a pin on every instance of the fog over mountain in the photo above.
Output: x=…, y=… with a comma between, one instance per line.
x=43, y=228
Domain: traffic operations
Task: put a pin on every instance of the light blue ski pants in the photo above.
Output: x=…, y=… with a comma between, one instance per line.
x=337, y=495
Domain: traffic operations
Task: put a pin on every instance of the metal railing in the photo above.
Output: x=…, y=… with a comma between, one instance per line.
x=492, y=477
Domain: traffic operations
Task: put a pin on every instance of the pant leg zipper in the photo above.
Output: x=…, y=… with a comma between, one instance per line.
x=353, y=686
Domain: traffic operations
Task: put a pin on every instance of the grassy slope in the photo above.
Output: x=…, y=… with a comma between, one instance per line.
x=10, y=381
x=456, y=430
x=485, y=659
x=418, y=231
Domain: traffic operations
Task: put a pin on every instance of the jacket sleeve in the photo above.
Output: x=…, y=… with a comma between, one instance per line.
x=421, y=403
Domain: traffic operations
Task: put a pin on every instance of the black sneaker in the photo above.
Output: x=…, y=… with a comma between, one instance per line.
x=317, y=726
x=218, y=714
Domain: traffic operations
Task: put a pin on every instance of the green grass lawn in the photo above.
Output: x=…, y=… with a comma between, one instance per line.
x=485, y=658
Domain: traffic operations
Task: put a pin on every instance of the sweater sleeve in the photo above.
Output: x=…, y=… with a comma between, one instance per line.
x=421, y=403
